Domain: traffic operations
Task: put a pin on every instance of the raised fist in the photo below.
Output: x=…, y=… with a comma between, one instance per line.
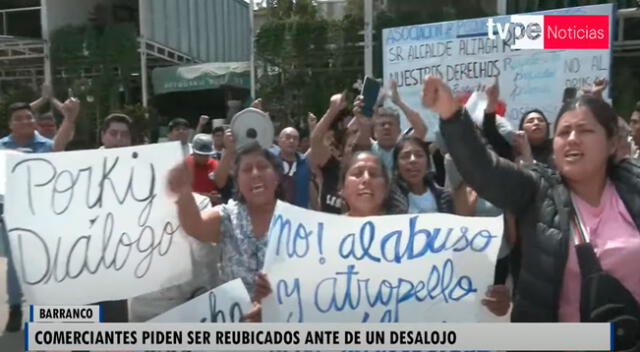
x=437, y=96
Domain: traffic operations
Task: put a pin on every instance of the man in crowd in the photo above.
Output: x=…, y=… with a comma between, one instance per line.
x=179, y=131
x=24, y=132
x=297, y=174
x=218, y=142
x=24, y=137
x=305, y=142
x=46, y=125
x=116, y=131
x=386, y=128
x=203, y=168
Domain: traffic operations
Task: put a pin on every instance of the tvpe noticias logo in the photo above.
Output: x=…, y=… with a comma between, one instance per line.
x=553, y=32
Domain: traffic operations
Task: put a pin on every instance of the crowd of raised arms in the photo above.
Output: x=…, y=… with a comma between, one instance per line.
x=585, y=159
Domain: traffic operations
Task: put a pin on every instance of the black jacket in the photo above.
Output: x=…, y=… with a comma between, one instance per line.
x=398, y=202
x=540, y=199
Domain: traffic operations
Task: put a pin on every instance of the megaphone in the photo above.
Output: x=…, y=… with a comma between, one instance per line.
x=252, y=125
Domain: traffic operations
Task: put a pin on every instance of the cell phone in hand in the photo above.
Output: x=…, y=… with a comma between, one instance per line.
x=370, y=92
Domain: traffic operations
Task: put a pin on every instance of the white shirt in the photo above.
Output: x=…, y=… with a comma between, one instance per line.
x=423, y=203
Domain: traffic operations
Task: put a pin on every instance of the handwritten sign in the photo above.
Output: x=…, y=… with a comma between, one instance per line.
x=3, y=170
x=204, y=263
x=94, y=225
x=400, y=268
x=227, y=303
x=462, y=54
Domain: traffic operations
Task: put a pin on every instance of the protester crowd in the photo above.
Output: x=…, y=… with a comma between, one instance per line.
x=576, y=179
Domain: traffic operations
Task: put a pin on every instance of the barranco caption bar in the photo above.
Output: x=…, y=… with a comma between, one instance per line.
x=69, y=314
x=318, y=336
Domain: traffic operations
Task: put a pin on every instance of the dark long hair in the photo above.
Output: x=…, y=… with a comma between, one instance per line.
x=346, y=165
x=537, y=111
x=605, y=115
x=401, y=144
x=276, y=163
x=429, y=178
x=601, y=110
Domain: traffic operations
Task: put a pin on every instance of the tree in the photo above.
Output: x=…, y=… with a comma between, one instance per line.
x=304, y=59
x=109, y=52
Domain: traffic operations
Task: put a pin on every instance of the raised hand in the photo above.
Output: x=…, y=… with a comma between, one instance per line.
x=437, y=96
x=522, y=147
x=71, y=108
x=312, y=121
x=229, y=141
x=395, y=96
x=180, y=179
x=203, y=120
x=599, y=85
x=257, y=104
x=358, y=103
x=337, y=102
x=493, y=94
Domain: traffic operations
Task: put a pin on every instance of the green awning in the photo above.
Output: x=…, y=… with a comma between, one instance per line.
x=200, y=77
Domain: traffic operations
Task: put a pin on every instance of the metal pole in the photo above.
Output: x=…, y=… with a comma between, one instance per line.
x=48, y=76
x=143, y=71
x=501, y=7
x=368, y=38
x=143, y=52
x=252, y=60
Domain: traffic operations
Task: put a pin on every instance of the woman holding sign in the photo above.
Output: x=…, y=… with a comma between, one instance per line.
x=240, y=225
x=364, y=185
x=365, y=188
x=589, y=201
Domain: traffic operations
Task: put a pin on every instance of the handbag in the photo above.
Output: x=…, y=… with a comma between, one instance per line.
x=603, y=298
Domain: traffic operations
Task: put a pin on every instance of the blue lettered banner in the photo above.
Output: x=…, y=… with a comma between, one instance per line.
x=466, y=53
x=227, y=303
x=397, y=268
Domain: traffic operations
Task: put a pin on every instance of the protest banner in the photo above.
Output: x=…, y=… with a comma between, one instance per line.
x=396, y=268
x=94, y=225
x=463, y=56
x=3, y=175
x=204, y=258
x=3, y=186
x=227, y=303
